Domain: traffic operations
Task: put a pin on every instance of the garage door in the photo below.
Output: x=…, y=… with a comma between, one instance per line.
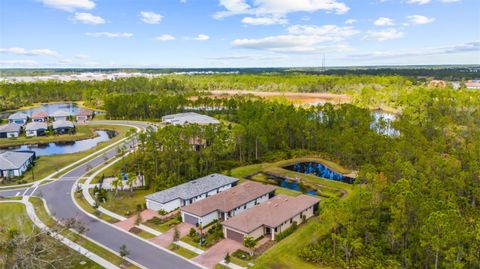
x=190, y=219
x=235, y=235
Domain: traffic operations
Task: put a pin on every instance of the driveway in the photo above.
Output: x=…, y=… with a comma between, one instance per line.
x=166, y=238
x=217, y=252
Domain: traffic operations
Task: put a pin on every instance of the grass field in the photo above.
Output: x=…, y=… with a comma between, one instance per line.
x=125, y=203
x=183, y=251
x=46, y=165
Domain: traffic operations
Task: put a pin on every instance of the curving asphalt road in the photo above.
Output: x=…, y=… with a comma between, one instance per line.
x=58, y=197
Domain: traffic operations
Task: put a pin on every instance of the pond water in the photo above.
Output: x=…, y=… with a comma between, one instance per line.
x=71, y=108
x=382, y=123
x=293, y=185
x=319, y=170
x=49, y=149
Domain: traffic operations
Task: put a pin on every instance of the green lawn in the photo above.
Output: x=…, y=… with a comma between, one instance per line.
x=46, y=165
x=164, y=227
x=125, y=202
x=87, y=207
x=220, y=266
x=182, y=251
x=187, y=239
x=14, y=214
x=102, y=252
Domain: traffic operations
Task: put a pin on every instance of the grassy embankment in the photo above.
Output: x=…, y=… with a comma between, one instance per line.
x=46, y=165
x=14, y=215
x=99, y=250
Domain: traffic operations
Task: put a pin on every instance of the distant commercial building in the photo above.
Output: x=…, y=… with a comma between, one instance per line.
x=10, y=130
x=18, y=118
x=189, y=118
x=14, y=164
x=40, y=116
x=190, y=192
x=36, y=129
x=60, y=115
x=473, y=84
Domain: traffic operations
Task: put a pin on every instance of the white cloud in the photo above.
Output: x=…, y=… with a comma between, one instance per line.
x=150, y=17
x=264, y=20
x=165, y=38
x=420, y=2
x=32, y=52
x=66, y=61
x=110, y=34
x=383, y=21
x=419, y=19
x=384, y=35
x=18, y=63
x=69, y=5
x=350, y=21
x=452, y=49
x=88, y=18
x=301, y=39
x=450, y=1
x=202, y=37
x=82, y=56
x=261, y=8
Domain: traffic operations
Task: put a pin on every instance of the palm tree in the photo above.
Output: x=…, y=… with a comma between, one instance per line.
x=250, y=243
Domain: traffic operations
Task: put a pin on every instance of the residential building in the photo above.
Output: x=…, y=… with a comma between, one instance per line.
x=15, y=163
x=18, y=118
x=84, y=114
x=36, y=129
x=271, y=217
x=189, y=118
x=10, y=130
x=473, y=84
x=190, y=192
x=60, y=115
x=40, y=116
x=227, y=204
x=63, y=126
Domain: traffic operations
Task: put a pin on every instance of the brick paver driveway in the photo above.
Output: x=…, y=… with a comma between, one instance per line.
x=217, y=252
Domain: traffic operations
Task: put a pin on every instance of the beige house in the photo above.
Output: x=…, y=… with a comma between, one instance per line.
x=270, y=218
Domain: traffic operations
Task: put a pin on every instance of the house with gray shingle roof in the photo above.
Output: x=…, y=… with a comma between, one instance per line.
x=36, y=129
x=14, y=164
x=189, y=118
x=190, y=192
x=10, y=130
x=18, y=118
x=63, y=126
x=60, y=115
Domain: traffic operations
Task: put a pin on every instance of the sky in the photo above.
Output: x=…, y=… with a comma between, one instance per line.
x=237, y=33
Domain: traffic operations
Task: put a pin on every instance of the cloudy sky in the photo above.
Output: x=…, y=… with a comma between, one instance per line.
x=237, y=33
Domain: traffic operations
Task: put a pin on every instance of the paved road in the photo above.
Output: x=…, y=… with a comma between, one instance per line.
x=59, y=202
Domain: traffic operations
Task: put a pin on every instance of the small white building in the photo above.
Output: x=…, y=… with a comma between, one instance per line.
x=40, y=116
x=60, y=115
x=14, y=164
x=18, y=118
x=189, y=118
x=190, y=192
x=36, y=129
x=10, y=130
x=227, y=204
x=63, y=126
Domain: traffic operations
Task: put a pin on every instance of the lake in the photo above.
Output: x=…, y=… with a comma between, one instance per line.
x=319, y=170
x=70, y=147
x=71, y=108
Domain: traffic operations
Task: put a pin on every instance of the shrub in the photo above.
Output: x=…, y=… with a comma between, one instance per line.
x=227, y=258
x=162, y=212
x=287, y=232
x=192, y=232
x=242, y=255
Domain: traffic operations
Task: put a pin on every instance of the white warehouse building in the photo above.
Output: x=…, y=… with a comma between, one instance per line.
x=190, y=192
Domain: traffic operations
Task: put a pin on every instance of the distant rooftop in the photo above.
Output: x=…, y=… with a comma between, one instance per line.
x=34, y=126
x=39, y=115
x=62, y=124
x=84, y=112
x=189, y=117
x=11, y=127
x=18, y=116
x=13, y=159
x=192, y=188
x=60, y=113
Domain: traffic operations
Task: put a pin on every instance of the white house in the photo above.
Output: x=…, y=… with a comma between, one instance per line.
x=189, y=118
x=60, y=115
x=14, y=164
x=227, y=204
x=63, y=126
x=190, y=192
x=10, y=130
x=36, y=129
x=40, y=116
x=18, y=118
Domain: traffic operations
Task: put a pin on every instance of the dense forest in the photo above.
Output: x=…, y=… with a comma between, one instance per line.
x=419, y=202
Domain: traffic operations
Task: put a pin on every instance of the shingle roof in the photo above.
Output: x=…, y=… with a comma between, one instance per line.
x=229, y=199
x=190, y=117
x=271, y=213
x=60, y=113
x=13, y=159
x=39, y=115
x=84, y=112
x=62, y=124
x=11, y=127
x=18, y=116
x=192, y=188
x=33, y=126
